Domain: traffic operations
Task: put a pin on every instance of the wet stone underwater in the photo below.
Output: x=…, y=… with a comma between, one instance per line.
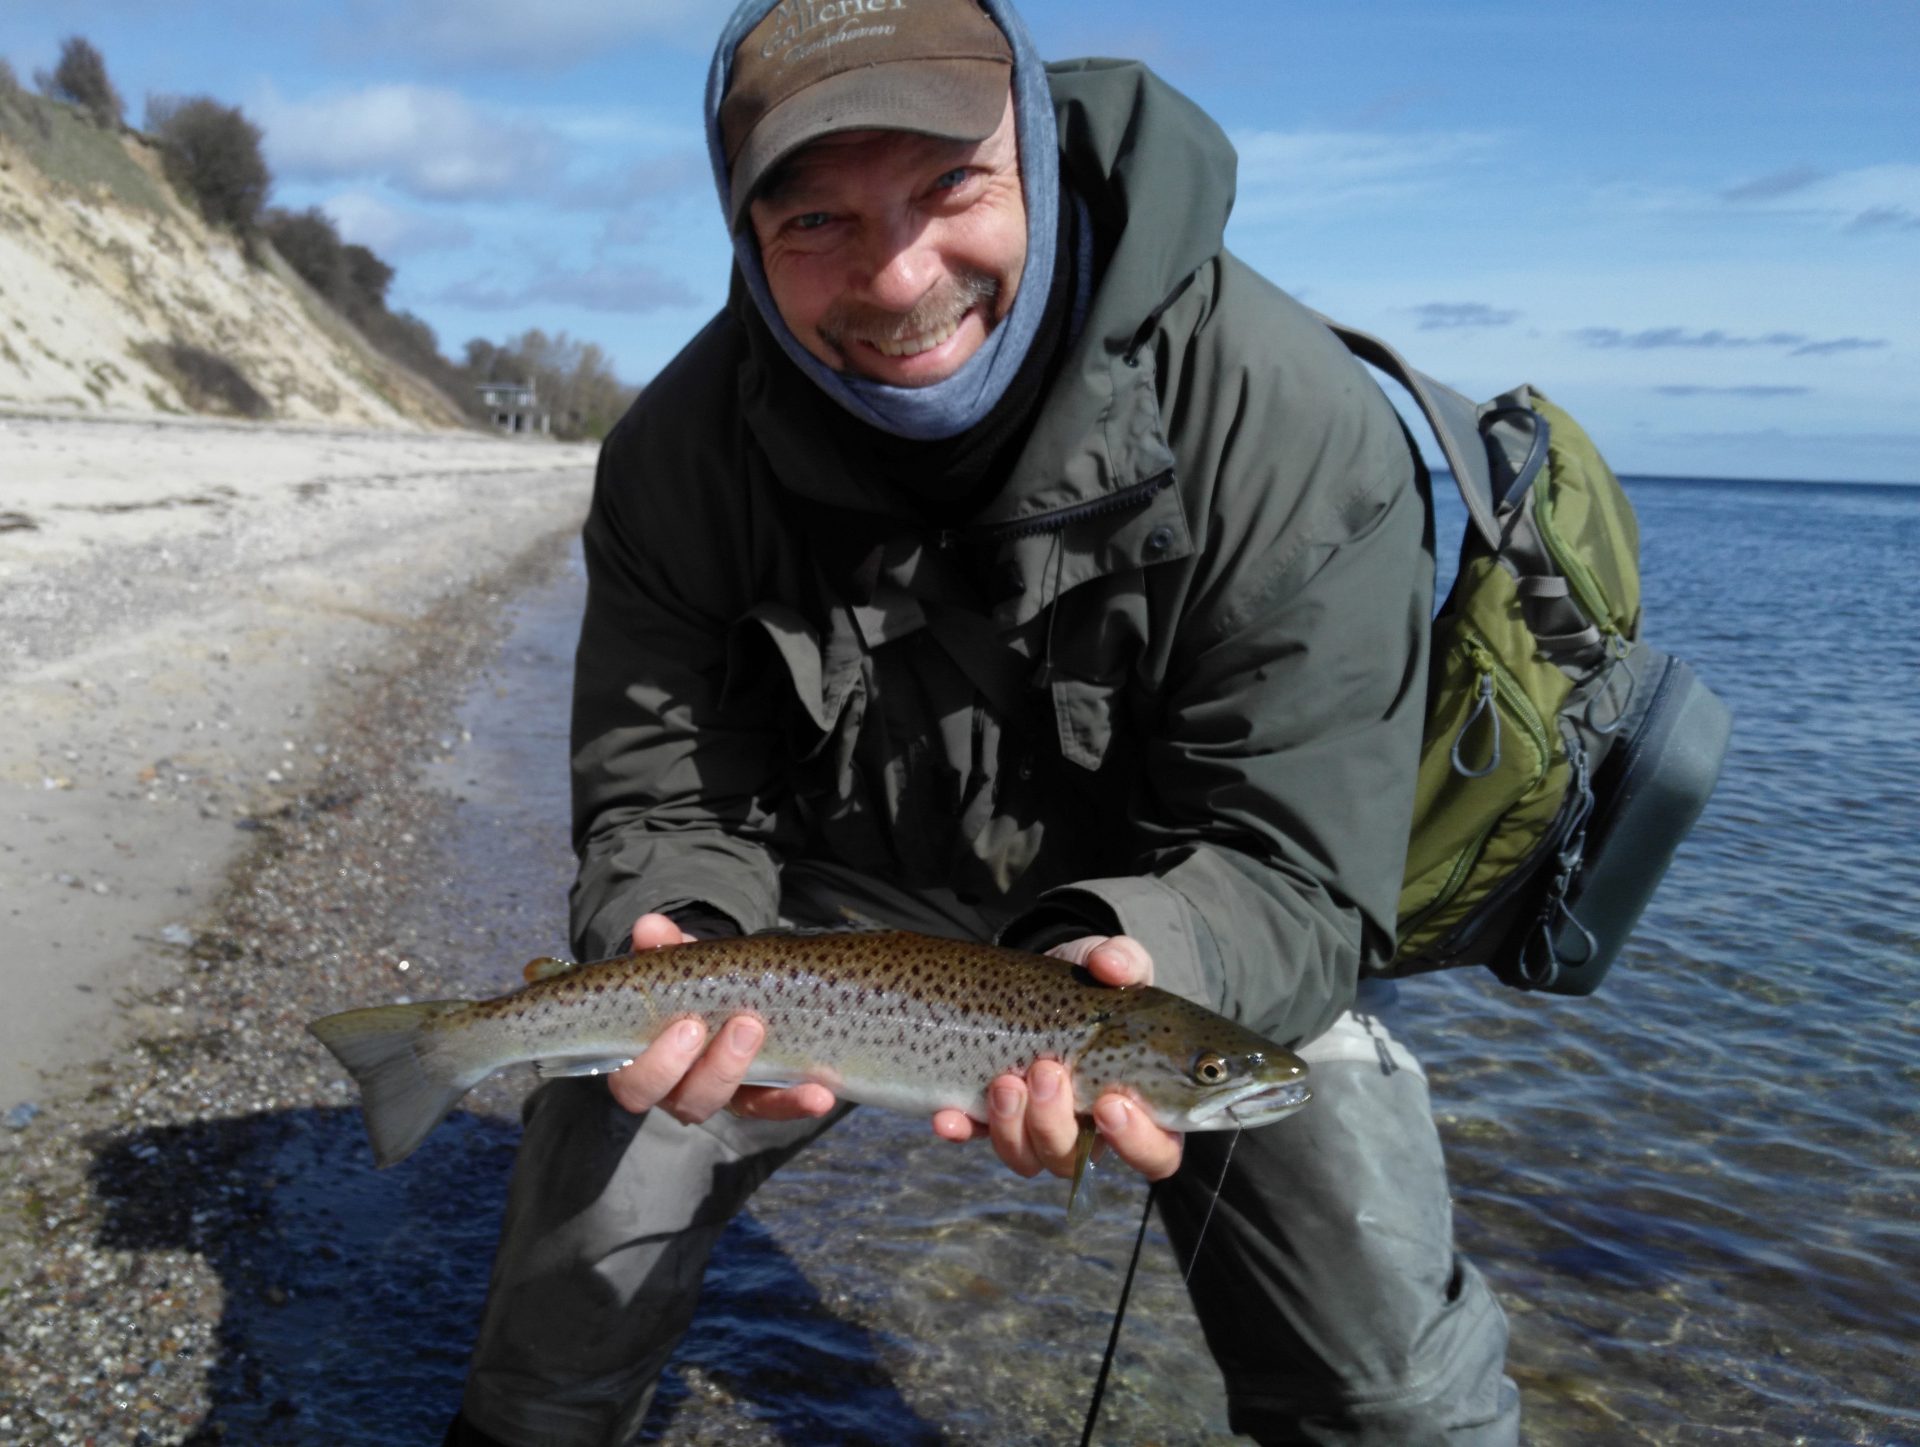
x=1694, y=1193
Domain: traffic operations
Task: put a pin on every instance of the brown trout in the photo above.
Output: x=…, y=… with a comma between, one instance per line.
x=903, y=1021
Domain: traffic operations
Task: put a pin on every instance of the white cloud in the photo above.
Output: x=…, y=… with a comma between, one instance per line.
x=1439, y=316
x=601, y=287
x=1865, y=199
x=1796, y=344
x=426, y=141
x=1318, y=172
x=391, y=231
x=1762, y=391
x=648, y=180
x=513, y=34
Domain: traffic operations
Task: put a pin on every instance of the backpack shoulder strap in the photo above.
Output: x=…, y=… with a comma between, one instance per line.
x=1454, y=418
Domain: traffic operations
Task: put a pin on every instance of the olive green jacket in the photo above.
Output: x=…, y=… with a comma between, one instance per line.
x=1170, y=680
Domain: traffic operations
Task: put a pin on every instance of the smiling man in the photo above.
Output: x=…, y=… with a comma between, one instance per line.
x=1006, y=561
x=892, y=255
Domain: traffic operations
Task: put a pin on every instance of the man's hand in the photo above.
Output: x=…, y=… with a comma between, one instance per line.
x=689, y=1079
x=1031, y=1121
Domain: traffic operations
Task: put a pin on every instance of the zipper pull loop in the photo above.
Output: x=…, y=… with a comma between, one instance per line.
x=1483, y=706
x=1618, y=654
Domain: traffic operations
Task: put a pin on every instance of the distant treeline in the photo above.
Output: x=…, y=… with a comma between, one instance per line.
x=211, y=154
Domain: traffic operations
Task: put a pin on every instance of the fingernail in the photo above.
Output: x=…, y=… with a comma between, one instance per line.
x=1113, y=1115
x=743, y=1037
x=1044, y=1081
x=1004, y=1101
x=688, y=1034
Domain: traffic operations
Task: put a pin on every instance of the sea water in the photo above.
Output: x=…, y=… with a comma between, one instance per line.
x=1696, y=1193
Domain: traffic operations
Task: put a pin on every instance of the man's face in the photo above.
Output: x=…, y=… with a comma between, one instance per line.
x=891, y=256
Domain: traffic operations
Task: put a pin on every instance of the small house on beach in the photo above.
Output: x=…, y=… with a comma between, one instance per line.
x=512, y=407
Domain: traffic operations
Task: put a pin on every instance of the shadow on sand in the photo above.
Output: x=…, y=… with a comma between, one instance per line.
x=351, y=1294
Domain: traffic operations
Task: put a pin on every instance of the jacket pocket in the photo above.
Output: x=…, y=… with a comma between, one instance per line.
x=1083, y=714
x=774, y=637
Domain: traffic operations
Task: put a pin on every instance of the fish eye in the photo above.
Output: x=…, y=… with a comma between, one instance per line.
x=1211, y=1069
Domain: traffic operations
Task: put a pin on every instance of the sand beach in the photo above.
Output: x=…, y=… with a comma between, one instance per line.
x=179, y=600
x=226, y=650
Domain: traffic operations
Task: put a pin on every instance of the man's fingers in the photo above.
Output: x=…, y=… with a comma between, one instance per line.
x=1151, y=1151
x=714, y=1078
x=795, y=1102
x=651, y=931
x=1052, y=1128
x=1007, y=1124
x=661, y=1066
x=1118, y=960
x=957, y=1125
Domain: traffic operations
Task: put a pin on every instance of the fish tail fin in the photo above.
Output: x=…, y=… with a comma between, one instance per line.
x=405, y=1091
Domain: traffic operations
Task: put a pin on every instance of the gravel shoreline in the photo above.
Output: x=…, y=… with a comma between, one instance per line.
x=140, y=1230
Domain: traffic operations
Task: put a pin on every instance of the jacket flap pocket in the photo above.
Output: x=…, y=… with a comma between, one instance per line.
x=1083, y=710
x=822, y=693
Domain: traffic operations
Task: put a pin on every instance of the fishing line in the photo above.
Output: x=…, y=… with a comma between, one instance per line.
x=1126, y=1287
x=1212, y=1201
x=1119, y=1314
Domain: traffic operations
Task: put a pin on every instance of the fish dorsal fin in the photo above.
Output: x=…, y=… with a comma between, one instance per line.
x=545, y=968
x=854, y=925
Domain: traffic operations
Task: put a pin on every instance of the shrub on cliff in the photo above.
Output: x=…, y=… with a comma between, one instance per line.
x=212, y=156
x=368, y=278
x=350, y=276
x=208, y=381
x=81, y=77
x=310, y=243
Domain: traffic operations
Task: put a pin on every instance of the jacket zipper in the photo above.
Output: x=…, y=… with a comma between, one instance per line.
x=1128, y=498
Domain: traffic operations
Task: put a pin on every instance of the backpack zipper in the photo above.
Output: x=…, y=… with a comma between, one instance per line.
x=1587, y=592
x=1506, y=689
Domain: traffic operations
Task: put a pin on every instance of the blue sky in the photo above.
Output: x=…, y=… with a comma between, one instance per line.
x=1696, y=225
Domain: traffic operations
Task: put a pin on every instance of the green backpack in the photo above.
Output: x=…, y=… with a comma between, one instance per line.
x=1564, y=758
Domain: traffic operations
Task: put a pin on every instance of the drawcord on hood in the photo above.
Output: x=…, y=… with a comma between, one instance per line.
x=952, y=406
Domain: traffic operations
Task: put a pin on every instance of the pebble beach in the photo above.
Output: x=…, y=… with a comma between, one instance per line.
x=227, y=653
x=334, y=775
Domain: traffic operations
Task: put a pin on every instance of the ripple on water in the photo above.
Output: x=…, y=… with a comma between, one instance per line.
x=1695, y=1192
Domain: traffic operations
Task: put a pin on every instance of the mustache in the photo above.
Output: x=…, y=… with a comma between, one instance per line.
x=958, y=294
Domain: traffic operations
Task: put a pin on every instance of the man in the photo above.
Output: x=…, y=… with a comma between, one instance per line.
x=1006, y=560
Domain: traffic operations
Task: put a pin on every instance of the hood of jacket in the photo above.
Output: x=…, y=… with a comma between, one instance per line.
x=1157, y=177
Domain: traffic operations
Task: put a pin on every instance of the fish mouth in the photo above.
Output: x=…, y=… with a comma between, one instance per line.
x=1259, y=1103
x=1269, y=1103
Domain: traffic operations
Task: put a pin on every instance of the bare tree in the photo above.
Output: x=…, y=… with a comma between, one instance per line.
x=574, y=380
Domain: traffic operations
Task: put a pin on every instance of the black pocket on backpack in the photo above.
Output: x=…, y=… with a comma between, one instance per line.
x=1647, y=792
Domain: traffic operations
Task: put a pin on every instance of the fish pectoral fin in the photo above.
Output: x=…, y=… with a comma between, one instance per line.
x=545, y=968
x=566, y=1067
x=1080, y=1193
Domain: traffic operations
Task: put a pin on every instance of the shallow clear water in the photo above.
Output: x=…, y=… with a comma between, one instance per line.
x=1699, y=1191
x=1694, y=1192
